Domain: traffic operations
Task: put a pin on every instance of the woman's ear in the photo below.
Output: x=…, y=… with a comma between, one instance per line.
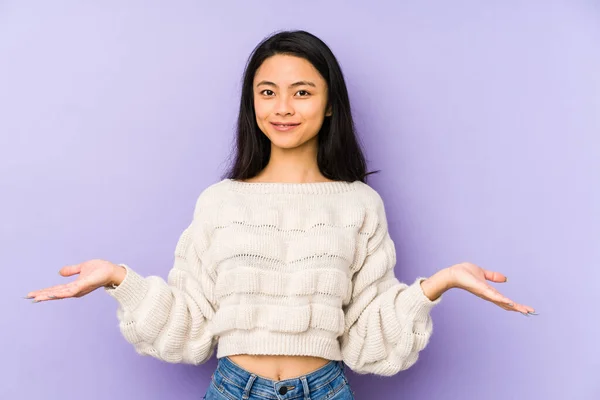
x=328, y=112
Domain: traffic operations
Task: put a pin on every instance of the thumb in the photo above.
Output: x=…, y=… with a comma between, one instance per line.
x=495, y=276
x=70, y=270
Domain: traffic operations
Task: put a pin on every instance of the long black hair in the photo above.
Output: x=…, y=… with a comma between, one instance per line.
x=339, y=155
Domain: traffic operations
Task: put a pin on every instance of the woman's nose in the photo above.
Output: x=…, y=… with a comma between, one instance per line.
x=284, y=106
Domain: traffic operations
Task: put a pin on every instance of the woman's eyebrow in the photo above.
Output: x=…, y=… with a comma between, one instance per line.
x=299, y=83
x=303, y=83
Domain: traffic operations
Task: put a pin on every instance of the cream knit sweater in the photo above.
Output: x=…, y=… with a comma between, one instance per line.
x=281, y=268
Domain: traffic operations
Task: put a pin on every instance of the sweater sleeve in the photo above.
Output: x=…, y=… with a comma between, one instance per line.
x=387, y=322
x=170, y=320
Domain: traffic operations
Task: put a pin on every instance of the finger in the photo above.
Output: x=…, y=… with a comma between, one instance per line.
x=62, y=291
x=520, y=308
x=39, y=299
x=494, y=276
x=529, y=310
x=505, y=306
x=47, y=290
x=490, y=293
x=70, y=270
x=515, y=306
x=54, y=296
x=35, y=293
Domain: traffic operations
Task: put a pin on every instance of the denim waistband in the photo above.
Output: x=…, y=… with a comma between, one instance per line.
x=311, y=381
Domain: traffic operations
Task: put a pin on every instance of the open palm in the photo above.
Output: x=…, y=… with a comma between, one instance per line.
x=474, y=279
x=93, y=274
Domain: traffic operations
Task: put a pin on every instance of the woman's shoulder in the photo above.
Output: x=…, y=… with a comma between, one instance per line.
x=211, y=195
x=215, y=188
x=369, y=195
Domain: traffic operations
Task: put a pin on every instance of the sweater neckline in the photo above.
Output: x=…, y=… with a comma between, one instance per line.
x=291, y=188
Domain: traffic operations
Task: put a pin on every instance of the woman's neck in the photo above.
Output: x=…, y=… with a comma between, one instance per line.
x=288, y=176
x=291, y=166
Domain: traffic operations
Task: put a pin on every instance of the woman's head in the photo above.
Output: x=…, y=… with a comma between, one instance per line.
x=294, y=95
x=290, y=101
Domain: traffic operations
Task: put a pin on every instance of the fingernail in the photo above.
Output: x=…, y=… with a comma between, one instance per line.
x=532, y=313
x=510, y=304
x=525, y=314
x=35, y=301
x=506, y=280
x=51, y=297
x=28, y=297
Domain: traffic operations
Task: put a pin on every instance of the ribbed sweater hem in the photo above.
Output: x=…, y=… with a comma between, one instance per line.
x=413, y=302
x=278, y=344
x=131, y=292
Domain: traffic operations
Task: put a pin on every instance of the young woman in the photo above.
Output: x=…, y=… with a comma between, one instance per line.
x=287, y=264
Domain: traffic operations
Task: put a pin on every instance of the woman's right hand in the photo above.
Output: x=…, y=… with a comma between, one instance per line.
x=93, y=274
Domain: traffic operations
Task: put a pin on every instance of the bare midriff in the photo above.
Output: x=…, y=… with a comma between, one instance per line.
x=277, y=368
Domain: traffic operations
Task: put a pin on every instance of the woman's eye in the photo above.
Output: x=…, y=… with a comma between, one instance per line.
x=267, y=92
x=302, y=93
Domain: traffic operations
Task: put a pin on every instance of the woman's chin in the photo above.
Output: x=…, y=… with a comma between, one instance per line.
x=284, y=146
x=285, y=143
x=289, y=142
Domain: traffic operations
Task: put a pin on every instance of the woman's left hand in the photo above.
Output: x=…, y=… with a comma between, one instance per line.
x=473, y=278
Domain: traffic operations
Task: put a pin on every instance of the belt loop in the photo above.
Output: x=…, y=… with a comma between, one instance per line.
x=305, y=387
x=246, y=394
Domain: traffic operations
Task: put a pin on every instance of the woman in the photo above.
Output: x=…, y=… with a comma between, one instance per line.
x=287, y=264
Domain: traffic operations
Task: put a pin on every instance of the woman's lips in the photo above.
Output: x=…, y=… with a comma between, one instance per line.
x=284, y=127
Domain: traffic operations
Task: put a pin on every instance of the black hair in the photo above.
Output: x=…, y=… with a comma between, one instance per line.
x=339, y=155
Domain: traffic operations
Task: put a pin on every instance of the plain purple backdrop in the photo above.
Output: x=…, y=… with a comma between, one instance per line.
x=484, y=118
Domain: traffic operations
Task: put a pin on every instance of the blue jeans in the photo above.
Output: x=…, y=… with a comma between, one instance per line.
x=231, y=382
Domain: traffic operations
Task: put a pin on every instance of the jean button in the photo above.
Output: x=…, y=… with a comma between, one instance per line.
x=283, y=390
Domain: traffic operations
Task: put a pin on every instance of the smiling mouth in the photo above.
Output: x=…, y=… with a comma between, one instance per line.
x=284, y=126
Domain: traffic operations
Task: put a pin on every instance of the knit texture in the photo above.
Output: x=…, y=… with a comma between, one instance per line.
x=281, y=268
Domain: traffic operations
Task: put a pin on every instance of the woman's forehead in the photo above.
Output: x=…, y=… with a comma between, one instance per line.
x=286, y=70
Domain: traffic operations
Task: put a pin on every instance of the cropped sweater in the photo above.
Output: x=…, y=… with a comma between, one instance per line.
x=280, y=269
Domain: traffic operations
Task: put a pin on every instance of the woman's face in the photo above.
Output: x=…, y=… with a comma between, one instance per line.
x=290, y=101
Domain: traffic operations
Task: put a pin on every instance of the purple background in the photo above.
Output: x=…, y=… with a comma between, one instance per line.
x=484, y=118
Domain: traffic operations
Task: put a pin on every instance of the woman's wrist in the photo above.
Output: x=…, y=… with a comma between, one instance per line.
x=437, y=284
x=117, y=276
